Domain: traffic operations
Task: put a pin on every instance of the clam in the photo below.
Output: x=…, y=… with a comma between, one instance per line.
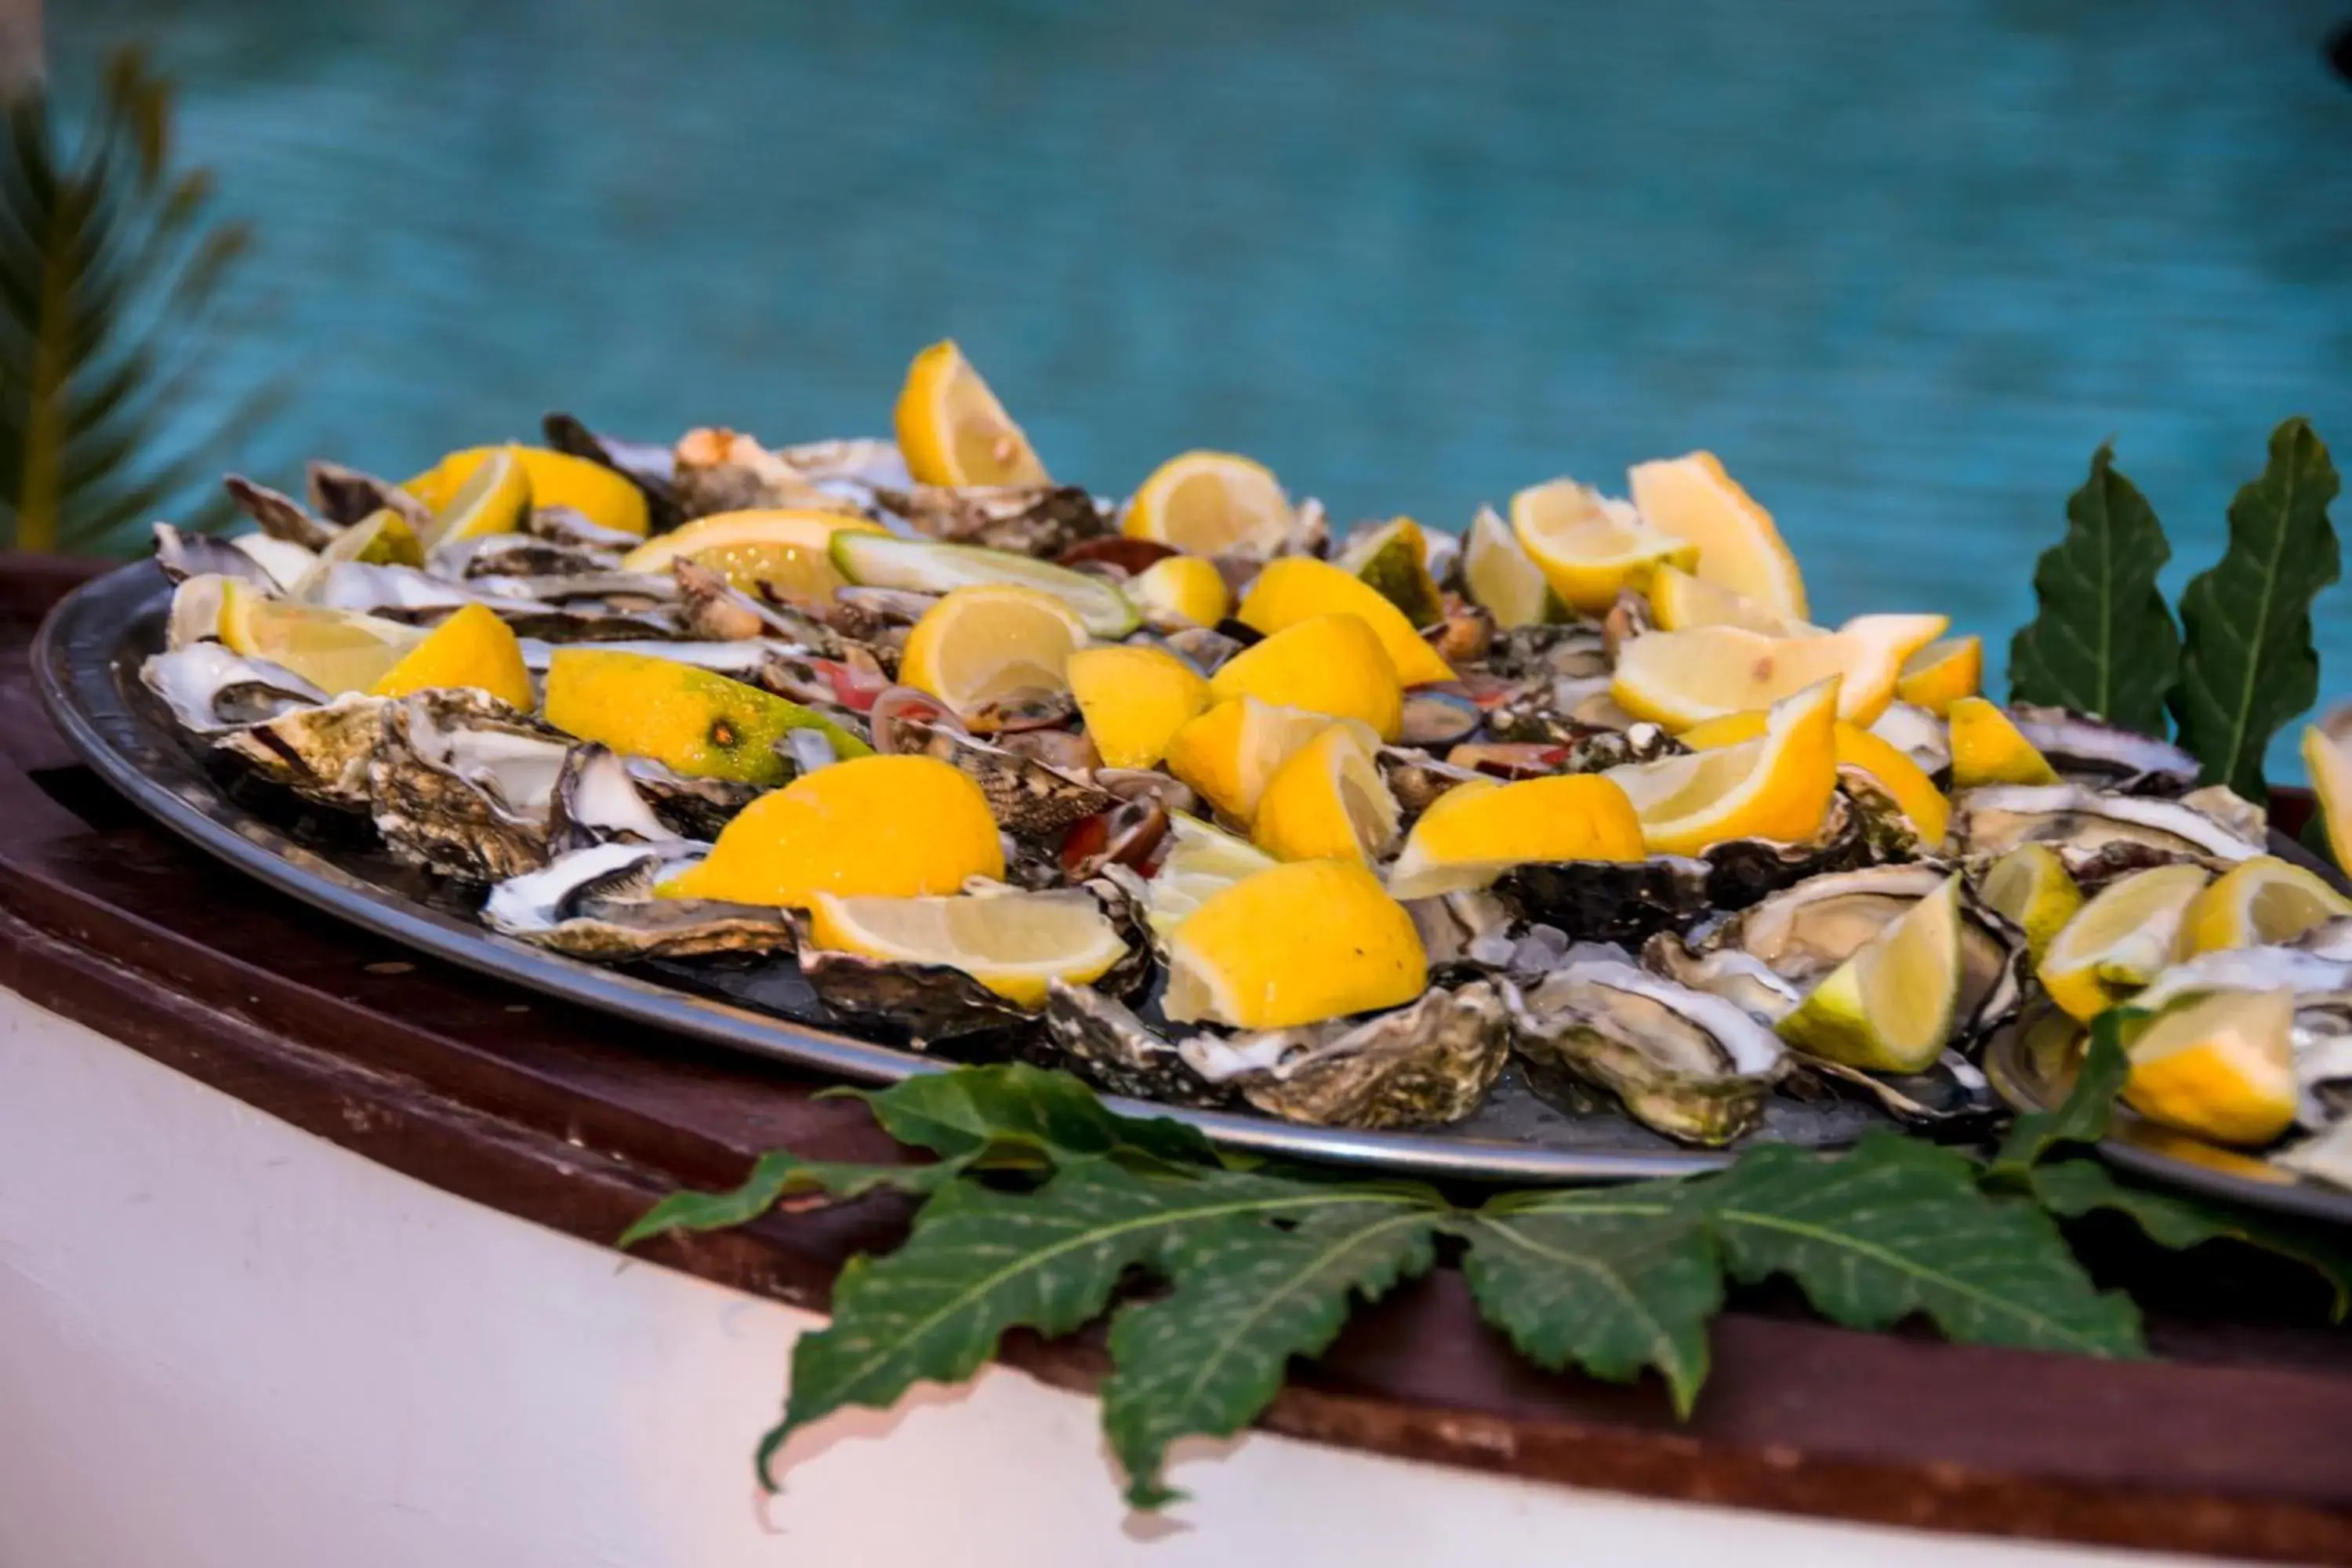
x=2089, y=828
x=463, y=785
x=210, y=690
x=598, y=903
x=1042, y=519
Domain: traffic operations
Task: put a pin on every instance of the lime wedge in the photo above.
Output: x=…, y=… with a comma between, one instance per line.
x=927, y=567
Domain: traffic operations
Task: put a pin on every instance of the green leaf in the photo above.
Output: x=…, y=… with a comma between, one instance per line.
x=1899, y=1226
x=2247, y=665
x=960, y=1113
x=2074, y=1187
x=2083, y=1116
x=1612, y=1280
x=2102, y=641
x=1209, y=1355
x=774, y=1177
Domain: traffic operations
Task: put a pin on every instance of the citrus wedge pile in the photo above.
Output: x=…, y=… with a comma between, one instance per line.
x=1299, y=588
x=1332, y=665
x=1328, y=802
x=1133, y=700
x=694, y=720
x=1231, y=752
x=1739, y=547
x=1680, y=679
x=553, y=479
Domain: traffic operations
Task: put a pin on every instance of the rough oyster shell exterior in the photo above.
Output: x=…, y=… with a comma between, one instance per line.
x=462, y=784
x=597, y=903
x=321, y=753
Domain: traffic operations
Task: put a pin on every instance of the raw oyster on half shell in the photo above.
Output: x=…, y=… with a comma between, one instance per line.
x=598, y=903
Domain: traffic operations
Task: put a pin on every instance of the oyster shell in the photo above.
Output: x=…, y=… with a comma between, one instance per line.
x=1102, y=1040
x=1575, y=650
x=1425, y=1063
x=1041, y=520
x=2089, y=751
x=210, y=690
x=510, y=555
x=649, y=466
x=321, y=754
x=2085, y=825
x=1029, y=798
x=598, y=903
x=1608, y=900
x=463, y=785
x=595, y=800
x=281, y=515
x=185, y=555
x=1685, y=1063
x=716, y=470
x=341, y=496
x=1918, y=735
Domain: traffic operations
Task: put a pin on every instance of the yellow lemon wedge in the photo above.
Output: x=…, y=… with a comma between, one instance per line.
x=1881, y=762
x=1692, y=498
x=1013, y=944
x=991, y=643
x=1182, y=590
x=382, y=538
x=557, y=479
x=694, y=720
x=1299, y=588
x=472, y=647
x=1680, y=600
x=953, y=431
x=1393, y=560
x=881, y=827
x=1679, y=679
x=1133, y=700
x=2121, y=939
x=1989, y=749
x=1200, y=861
x=1232, y=750
x=1776, y=786
x=494, y=498
x=1302, y=942
x=784, y=550
x=1475, y=832
x=2330, y=770
x=2260, y=902
x=2030, y=887
x=1941, y=674
x=2220, y=1065
x=1502, y=578
x=1589, y=549
x=1211, y=503
x=1328, y=802
x=335, y=650
x=1891, y=1005
x=1327, y=664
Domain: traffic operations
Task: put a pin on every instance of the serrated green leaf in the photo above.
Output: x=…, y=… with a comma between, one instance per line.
x=1898, y=1227
x=1610, y=1281
x=2072, y=1188
x=2101, y=640
x=2247, y=664
x=957, y=1114
x=2083, y=1116
x=774, y=1177
x=1207, y=1357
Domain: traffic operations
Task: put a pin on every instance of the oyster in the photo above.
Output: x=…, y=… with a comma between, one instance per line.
x=209, y=689
x=1103, y=1041
x=2089, y=828
x=511, y=555
x=1685, y=1063
x=650, y=467
x=341, y=496
x=281, y=515
x=2093, y=752
x=185, y=555
x=599, y=903
x=2324, y=1157
x=1609, y=900
x=1575, y=650
x=1030, y=799
x=321, y=754
x=464, y=785
x=1428, y=1063
x=716, y=470
x=1918, y=735
x=595, y=800
x=1042, y=521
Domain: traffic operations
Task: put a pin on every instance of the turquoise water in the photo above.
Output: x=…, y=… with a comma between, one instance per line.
x=1901, y=274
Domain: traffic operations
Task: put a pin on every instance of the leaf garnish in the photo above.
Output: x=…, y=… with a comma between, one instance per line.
x=2083, y=1117
x=958, y=1114
x=2102, y=641
x=774, y=1176
x=2247, y=665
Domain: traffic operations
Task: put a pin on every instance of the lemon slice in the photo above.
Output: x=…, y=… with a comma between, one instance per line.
x=1989, y=749
x=382, y=538
x=1679, y=600
x=1776, y=788
x=2121, y=939
x=1133, y=700
x=472, y=647
x=1211, y=503
x=2330, y=770
x=1201, y=860
x=2030, y=886
x=1679, y=679
x=1589, y=548
x=784, y=550
x=1393, y=560
x=951, y=429
x=604, y=498
x=2218, y=1064
x=1503, y=579
x=1692, y=498
x=2261, y=902
x=1299, y=587
x=1230, y=752
x=1181, y=590
x=927, y=567
x=1475, y=832
x=1941, y=674
x=1013, y=944
x=1889, y=1008
x=1302, y=942
x=334, y=650
x=1331, y=663
x=991, y=644
x=693, y=721
x=1881, y=762
x=884, y=827
x=1328, y=802
x=494, y=498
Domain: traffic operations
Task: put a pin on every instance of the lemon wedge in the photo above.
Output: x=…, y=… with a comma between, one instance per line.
x=1327, y=664
x=1988, y=748
x=2261, y=902
x=1680, y=600
x=1013, y=944
x=2121, y=939
x=694, y=720
x=472, y=647
x=1776, y=786
x=1691, y=498
x=2220, y=1065
x=1475, y=832
x=1298, y=587
x=494, y=498
x=2030, y=887
x=1590, y=549
x=606, y=499
x=1890, y=1006
x=1200, y=861
x=993, y=643
x=953, y=431
x=1211, y=503
x=1328, y=802
x=382, y=538
x=871, y=558
x=1232, y=750
x=1393, y=560
x=1881, y=762
x=1182, y=590
x=1302, y=942
x=1133, y=700
x=2330, y=770
x=1679, y=679
x=334, y=650
x=886, y=828
x=1941, y=674
x=784, y=550
x=1503, y=579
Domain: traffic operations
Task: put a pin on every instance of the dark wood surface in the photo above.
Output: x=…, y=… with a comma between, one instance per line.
x=2238, y=1442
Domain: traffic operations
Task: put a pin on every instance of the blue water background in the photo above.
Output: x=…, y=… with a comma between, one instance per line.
x=1902, y=266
